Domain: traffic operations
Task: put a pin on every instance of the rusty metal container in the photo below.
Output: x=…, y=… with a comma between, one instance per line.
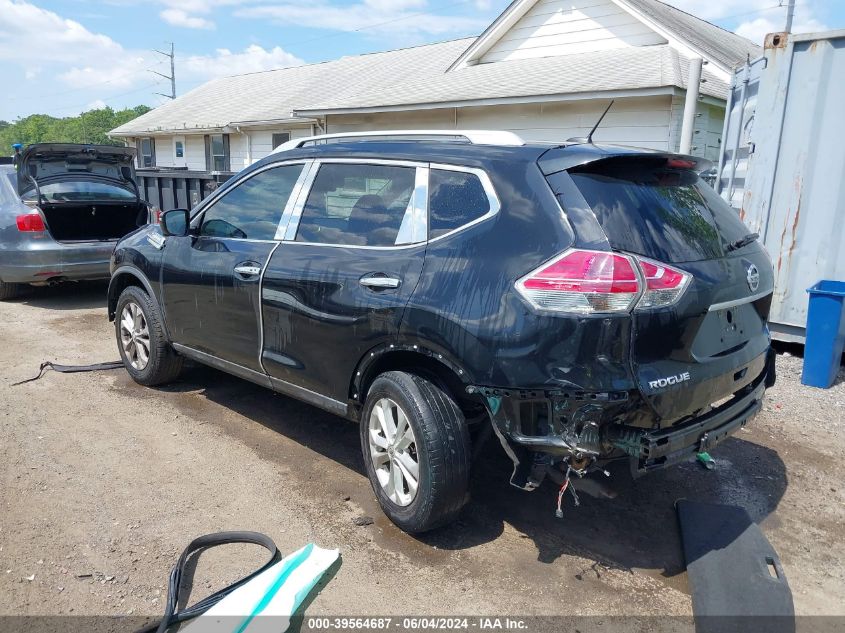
x=782, y=164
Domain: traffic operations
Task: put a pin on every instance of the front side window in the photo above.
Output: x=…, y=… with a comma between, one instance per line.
x=253, y=208
x=147, y=154
x=360, y=205
x=455, y=199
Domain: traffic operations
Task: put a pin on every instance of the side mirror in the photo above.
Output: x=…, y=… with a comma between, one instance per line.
x=175, y=222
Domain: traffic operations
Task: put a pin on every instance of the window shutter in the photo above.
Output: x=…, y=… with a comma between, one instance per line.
x=227, y=163
x=152, y=151
x=207, y=152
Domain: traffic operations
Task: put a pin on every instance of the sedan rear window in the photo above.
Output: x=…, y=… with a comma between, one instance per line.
x=80, y=190
x=650, y=209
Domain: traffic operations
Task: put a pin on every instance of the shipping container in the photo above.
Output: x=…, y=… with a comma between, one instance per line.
x=782, y=164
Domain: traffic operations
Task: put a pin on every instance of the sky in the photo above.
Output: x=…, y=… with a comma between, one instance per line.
x=61, y=57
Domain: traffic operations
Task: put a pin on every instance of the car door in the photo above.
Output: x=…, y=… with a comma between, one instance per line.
x=337, y=285
x=211, y=278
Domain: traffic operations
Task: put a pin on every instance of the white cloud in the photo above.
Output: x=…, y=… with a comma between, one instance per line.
x=35, y=34
x=753, y=19
x=62, y=57
x=756, y=30
x=97, y=104
x=178, y=17
x=224, y=62
x=401, y=17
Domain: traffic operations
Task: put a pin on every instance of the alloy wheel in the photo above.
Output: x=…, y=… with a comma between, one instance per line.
x=393, y=451
x=135, y=336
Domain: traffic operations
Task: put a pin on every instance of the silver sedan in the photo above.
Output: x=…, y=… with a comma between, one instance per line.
x=62, y=210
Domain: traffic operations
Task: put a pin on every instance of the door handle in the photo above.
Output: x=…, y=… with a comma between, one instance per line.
x=248, y=270
x=379, y=281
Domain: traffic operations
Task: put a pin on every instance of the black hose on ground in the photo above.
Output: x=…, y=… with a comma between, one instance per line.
x=71, y=369
x=171, y=615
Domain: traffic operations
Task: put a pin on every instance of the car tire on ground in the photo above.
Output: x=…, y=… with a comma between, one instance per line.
x=416, y=451
x=9, y=291
x=144, y=349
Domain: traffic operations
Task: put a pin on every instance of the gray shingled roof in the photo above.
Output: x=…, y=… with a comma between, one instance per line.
x=417, y=76
x=724, y=47
x=619, y=69
x=274, y=94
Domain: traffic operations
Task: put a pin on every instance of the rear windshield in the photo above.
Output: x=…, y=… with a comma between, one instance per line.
x=668, y=214
x=80, y=191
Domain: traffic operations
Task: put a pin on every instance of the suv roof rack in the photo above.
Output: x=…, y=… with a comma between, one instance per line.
x=475, y=137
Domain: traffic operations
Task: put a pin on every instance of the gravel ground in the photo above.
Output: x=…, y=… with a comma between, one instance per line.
x=104, y=482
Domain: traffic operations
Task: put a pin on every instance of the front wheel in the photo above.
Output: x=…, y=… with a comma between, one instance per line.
x=145, y=352
x=416, y=451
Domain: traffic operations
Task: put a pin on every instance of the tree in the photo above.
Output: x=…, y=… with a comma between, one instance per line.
x=89, y=127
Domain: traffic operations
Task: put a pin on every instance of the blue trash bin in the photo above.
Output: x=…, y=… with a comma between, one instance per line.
x=825, y=333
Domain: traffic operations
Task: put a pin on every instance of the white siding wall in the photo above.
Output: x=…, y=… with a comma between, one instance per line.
x=641, y=121
x=563, y=27
x=195, y=152
x=707, y=131
x=238, y=151
x=238, y=147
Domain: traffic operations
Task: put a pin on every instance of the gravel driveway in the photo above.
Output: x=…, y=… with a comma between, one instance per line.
x=103, y=482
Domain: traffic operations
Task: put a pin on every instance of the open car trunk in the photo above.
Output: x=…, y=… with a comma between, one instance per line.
x=93, y=221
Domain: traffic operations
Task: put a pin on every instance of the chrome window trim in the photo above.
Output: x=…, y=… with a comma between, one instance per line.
x=295, y=194
x=209, y=202
x=293, y=226
x=360, y=246
x=296, y=211
x=486, y=184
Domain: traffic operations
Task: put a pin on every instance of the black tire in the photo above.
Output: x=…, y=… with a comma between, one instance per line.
x=9, y=291
x=442, y=451
x=164, y=364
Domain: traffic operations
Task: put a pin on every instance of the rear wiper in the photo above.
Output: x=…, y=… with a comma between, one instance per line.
x=745, y=241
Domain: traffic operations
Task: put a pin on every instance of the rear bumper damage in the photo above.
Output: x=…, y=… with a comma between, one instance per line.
x=540, y=429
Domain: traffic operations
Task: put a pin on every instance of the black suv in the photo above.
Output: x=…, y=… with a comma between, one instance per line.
x=586, y=302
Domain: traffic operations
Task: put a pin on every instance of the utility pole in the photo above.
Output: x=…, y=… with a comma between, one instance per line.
x=171, y=76
x=790, y=13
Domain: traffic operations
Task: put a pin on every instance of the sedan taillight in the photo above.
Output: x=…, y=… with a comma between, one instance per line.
x=597, y=282
x=30, y=222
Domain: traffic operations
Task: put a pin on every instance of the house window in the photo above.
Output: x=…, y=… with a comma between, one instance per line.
x=217, y=152
x=147, y=154
x=180, y=149
x=279, y=138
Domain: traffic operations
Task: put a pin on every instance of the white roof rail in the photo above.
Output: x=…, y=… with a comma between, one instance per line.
x=476, y=137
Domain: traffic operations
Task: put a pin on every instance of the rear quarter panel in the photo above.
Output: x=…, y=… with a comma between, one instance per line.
x=466, y=306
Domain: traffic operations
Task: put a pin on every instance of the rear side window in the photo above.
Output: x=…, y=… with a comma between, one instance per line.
x=253, y=208
x=456, y=198
x=668, y=214
x=358, y=205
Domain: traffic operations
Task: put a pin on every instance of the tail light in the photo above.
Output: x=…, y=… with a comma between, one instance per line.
x=590, y=282
x=583, y=282
x=30, y=222
x=664, y=285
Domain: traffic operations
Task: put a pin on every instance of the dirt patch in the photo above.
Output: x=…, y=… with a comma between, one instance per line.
x=104, y=482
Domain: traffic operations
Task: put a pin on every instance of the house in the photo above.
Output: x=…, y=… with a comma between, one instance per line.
x=545, y=69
